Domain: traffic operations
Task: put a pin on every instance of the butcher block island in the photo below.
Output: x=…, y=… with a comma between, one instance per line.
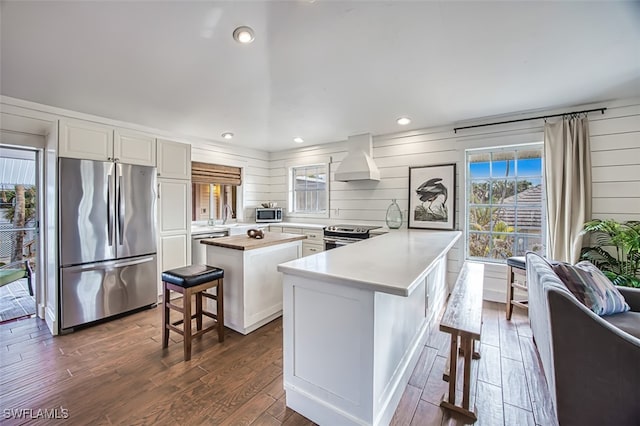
x=355, y=321
x=252, y=283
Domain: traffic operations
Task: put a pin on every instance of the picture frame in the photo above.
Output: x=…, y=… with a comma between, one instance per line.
x=432, y=197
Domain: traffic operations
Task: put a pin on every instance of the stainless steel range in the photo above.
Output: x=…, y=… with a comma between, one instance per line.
x=341, y=235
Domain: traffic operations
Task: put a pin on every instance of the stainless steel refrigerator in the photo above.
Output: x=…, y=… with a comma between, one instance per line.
x=107, y=234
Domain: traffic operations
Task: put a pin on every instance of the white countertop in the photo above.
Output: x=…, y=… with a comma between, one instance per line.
x=231, y=228
x=298, y=225
x=390, y=263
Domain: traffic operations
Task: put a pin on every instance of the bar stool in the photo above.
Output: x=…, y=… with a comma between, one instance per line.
x=188, y=281
x=516, y=278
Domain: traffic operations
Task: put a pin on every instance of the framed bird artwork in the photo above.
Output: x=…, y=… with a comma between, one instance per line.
x=432, y=197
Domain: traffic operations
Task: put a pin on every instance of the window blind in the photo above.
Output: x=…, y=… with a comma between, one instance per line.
x=215, y=174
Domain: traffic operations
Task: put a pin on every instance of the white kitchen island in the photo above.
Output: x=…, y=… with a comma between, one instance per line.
x=252, y=284
x=355, y=322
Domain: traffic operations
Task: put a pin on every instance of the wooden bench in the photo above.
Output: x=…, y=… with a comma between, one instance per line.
x=462, y=319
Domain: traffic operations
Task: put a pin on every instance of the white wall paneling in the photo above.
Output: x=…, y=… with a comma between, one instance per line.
x=615, y=143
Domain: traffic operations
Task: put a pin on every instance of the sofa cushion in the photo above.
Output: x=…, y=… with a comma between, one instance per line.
x=591, y=287
x=628, y=321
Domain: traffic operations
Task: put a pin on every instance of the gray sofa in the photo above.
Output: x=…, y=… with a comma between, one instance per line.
x=591, y=363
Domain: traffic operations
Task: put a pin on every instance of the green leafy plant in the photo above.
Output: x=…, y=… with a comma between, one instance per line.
x=615, y=250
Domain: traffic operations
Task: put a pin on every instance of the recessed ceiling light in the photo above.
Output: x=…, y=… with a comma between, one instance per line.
x=227, y=135
x=298, y=140
x=243, y=35
x=403, y=121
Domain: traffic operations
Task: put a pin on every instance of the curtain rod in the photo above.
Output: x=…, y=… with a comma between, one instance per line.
x=455, y=129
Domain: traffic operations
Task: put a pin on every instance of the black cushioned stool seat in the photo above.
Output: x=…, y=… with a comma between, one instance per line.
x=516, y=262
x=188, y=276
x=516, y=267
x=189, y=281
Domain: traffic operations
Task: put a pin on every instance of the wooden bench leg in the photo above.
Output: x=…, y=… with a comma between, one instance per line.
x=453, y=366
x=476, y=354
x=450, y=402
x=466, y=384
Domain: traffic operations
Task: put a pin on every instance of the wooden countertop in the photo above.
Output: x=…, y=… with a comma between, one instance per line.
x=244, y=242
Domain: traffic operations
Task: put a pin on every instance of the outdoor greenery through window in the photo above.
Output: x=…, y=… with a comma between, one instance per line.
x=505, y=207
x=309, y=189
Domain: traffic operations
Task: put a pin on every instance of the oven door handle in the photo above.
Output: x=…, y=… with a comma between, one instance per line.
x=341, y=241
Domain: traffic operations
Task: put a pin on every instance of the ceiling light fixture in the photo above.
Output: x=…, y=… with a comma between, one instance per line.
x=403, y=121
x=227, y=135
x=243, y=35
x=298, y=140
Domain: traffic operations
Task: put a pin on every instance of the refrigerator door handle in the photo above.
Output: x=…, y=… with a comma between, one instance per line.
x=120, y=213
x=133, y=262
x=107, y=265
x=91, y=267
x=109, y=211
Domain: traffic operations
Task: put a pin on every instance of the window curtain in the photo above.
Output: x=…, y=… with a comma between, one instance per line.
x=567, y=154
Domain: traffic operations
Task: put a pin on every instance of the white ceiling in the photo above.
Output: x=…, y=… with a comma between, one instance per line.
x=320, y=69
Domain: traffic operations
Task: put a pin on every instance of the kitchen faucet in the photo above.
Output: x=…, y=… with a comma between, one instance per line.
x=227, y=213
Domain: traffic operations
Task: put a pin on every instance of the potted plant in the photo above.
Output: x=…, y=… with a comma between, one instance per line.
x=615, y=250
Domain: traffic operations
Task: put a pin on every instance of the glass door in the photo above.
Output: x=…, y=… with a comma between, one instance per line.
x=18, y=233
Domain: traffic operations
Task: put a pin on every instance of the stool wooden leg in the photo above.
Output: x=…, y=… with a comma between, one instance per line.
x=509, y=292
x=187, y=324
x=199, y=311
x=220, y=311
x=165, y=315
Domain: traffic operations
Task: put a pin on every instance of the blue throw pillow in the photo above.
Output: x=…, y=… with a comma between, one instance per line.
x=591, y=287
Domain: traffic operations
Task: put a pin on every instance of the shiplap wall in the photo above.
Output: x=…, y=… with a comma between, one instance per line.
x=615, y=142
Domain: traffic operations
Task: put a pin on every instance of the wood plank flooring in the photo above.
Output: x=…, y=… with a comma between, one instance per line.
x=508, y=386
x=117, y=373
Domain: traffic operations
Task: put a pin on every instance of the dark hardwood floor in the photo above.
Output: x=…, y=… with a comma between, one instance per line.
x=117, y=373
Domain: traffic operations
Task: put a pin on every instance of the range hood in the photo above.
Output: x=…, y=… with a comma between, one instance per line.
x=358, y=164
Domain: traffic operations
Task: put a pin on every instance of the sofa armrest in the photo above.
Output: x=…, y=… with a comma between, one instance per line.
x=595, y=365
x=632, y=296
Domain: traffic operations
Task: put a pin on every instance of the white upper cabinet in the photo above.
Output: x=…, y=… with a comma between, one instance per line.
x=174, y=160
x=174, y=206
x=93, y=141
x=86, y=140
x=133, y=147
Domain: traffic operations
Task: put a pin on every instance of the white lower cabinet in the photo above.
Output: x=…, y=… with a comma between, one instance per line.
x=174, y=251
x=314, y=242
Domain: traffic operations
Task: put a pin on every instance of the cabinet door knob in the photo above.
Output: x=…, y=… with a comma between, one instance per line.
x=109, y=158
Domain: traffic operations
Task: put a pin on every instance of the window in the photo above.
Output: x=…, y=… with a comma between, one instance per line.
x=215, y=191
x=209, y=201
x=308, y=190
x=505, y=203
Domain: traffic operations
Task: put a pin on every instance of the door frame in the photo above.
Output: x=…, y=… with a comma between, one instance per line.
x=38, y=282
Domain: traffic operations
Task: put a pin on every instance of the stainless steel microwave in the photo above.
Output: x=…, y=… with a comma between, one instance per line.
x=271, y=214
